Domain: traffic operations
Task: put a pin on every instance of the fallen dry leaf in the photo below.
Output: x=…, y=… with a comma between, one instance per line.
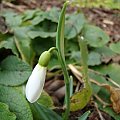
x=115, y=97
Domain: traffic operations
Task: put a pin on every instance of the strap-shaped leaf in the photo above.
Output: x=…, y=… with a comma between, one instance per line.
x=41, y=112
x=60, y=31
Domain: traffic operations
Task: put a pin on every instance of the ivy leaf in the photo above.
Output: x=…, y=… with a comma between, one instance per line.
x=95, y=36
x=74, y=25
x=13, y=71
x=115, y=47
x=5, y=114
x=16, y=102
x=41, y=112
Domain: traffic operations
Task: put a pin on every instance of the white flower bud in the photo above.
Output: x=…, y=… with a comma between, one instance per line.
x=35, y=83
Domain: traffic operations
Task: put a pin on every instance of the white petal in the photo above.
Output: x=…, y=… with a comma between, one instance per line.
x=35, y=83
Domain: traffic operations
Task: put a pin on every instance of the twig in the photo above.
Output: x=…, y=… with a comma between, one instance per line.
x=18, y=8
x=101, y=101
x=77, y=74
x=100, y=115
x=113, y=82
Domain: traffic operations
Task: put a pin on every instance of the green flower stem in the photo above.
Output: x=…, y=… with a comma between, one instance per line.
x=61, y=56
x=52, y=49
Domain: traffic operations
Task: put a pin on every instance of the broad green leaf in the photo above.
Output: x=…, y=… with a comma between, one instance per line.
x=16, y=102
x=111, y=70
x=84, y=116
x=52, y=15
x=97, y=78
x=115, y=47
x=105, y=51
x=74, y=25
x=38, y=19
x=94, y=59
x=5, y=114
x=40, y=45
x=23, y=44
x=41, y=112
x=13, y=71
x=45, y=29
x=111, y=112
x=95, y=36
x=45, y=100
x=42, y=34
x=12, y=19
x=29, y=14
x=9, y=44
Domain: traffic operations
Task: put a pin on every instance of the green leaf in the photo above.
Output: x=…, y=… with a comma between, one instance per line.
x=29, y=14
x=16, y=102
x=84, y=116
x=34, y=34
x=97, y=78
x=13, y=71
x=74, y=25
x=80, y=99
x=111, y=70
x=9, y=44
x=12, y=19
x=45, y=100
x=43, y=113
x=111, y=113
x=40, y=45
x=95, y=36
x=105, y=51
x=23, y=44
x=51, y=15
x=115, y=47
x=94, y=59
x=45, y=29
x=5, y=114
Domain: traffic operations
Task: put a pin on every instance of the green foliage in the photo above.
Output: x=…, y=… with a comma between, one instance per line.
x=13, y=71
x=95, y=36
x=45, y=97
x=74, y=25
x=84, y=116
x=16, y=102
x=115, y=47
x=34, y=31
x=5, y=114
x=43, y=113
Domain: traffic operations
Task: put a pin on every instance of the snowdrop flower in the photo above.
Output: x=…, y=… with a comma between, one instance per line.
x=36, y=80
